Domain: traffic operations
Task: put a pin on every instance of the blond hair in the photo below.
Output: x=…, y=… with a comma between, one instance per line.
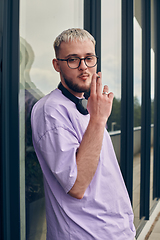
x=70, y=35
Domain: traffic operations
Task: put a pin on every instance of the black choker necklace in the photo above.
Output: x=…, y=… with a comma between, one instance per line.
x=81, y=104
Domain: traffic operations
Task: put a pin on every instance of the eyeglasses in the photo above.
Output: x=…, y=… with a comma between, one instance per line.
x=75, y=62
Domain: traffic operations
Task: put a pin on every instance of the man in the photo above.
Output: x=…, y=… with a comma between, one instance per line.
x=85, y=194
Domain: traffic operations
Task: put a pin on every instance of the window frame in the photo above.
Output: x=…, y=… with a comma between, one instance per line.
x=127, y=96
x=92, y=23
x=10, y=121
x=156, y=172
x=145, y=110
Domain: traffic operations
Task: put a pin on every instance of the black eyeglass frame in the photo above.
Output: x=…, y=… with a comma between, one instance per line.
x=60, y=59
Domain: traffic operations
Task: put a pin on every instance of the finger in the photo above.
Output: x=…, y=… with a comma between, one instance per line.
x=106, y=89
x=99, y=84
x=93, y=84
x=111, y=96
x=99, y=75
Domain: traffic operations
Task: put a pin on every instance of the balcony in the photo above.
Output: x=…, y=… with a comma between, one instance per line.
x=116, y=136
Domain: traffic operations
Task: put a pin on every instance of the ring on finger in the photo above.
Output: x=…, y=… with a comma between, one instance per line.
x=106, y=93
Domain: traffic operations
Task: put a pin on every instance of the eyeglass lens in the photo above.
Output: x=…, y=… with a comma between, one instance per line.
x=74, y=62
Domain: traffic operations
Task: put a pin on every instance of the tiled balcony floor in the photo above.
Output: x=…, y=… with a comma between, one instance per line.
x=154, y=232
x=136, y=185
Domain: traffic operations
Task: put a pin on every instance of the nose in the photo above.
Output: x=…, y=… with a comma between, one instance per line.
x=82, y=65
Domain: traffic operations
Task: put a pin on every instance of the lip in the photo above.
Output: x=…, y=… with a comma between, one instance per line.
x=84, y=76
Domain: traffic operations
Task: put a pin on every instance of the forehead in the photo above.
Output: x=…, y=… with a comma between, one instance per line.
x=79, y=48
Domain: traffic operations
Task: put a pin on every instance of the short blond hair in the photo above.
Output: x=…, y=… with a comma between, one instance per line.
x=70, y=35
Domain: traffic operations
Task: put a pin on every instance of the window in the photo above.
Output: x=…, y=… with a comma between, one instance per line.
x=111, y=64
x=40, y=23
x=111, y=55
x=137, y=119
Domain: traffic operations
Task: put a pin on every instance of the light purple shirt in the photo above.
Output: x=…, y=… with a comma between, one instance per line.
x=105, y=212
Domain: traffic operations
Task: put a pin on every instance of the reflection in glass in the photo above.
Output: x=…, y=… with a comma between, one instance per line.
x=29, y=94
x=137, y=119
x=40, y=23
x=152, y=102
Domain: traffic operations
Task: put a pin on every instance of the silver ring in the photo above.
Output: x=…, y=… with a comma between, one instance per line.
x=106, y=93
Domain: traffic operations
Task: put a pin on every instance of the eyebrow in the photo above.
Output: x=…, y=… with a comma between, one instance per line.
x=77, y=55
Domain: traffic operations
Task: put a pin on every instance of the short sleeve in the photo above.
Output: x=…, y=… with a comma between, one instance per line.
x=58, y=148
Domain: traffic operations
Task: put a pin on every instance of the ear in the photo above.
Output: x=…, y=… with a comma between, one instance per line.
x=56, y=64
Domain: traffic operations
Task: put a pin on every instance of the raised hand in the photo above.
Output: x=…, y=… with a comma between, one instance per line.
x=99, y=102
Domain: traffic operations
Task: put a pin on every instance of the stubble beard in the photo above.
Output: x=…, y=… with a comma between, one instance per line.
x=75, y=87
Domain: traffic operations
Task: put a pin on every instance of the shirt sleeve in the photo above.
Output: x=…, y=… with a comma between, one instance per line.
x=58, y=148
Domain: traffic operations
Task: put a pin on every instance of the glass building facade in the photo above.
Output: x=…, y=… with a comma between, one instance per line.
x=127, y=38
